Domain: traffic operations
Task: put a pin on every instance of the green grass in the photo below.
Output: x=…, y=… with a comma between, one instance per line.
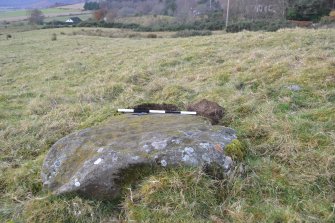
x=64, y=18
x=16, y=13
x=52, y=89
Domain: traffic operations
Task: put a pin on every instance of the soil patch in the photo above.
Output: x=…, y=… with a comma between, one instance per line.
x=208, y=109
x=152, y=106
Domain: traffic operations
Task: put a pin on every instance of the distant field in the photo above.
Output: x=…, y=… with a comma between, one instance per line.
x=78, y=6
x=16, y=13
x=50, y=12
x=64, y=18
x=49, y=89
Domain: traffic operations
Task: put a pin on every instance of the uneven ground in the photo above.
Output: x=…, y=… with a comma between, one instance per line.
x=51, y=88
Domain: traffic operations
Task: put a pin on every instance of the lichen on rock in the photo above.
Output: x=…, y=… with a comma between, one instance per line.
x=95, y=161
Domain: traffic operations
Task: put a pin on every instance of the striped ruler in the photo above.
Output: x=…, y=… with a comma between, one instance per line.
x=156, y=111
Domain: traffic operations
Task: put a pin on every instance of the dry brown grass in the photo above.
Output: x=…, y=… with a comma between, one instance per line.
x=49, y=90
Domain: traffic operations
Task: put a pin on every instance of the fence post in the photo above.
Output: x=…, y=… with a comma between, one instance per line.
x=227, y=15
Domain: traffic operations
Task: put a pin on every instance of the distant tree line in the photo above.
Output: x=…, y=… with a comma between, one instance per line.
x=308, y=9
x=254, y=15
x=91, y=6
x=190, y=10
x=160, y=7
x=35, y=16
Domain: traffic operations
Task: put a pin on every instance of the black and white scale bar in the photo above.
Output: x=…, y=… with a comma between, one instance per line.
x=157, y=111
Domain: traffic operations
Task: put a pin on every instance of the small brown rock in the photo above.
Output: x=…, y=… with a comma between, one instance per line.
x=208, y=109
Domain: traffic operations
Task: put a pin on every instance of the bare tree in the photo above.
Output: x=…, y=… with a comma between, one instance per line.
x=100, y=14
x=185, y=10
x=144, y=8
x=35, y=16
x=111, y=16
x=255, y=9
x=227, y=14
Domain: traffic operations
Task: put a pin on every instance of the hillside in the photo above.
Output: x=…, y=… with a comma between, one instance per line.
x=22, y=4
x=278, y=90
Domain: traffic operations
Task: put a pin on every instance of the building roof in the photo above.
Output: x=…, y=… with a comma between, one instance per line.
x=74, y=20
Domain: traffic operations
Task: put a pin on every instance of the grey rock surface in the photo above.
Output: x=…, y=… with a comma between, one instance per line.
x=294, y=87
x=93, y=161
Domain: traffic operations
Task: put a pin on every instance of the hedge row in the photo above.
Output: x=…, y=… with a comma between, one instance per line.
x=258, y=25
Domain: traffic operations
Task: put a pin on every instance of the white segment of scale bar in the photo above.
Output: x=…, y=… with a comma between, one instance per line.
x=125, y=110
x=188, y=113
x=157, y=111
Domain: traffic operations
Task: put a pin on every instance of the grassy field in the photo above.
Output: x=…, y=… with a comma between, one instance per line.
x=66, y=17
x=147, y=20
x=49, y=89
x=79, y=6
x=8, y=14
x=19, y=15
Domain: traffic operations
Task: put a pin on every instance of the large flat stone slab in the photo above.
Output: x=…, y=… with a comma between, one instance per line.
x=92, y=161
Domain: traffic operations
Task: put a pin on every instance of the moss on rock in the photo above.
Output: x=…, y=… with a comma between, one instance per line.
x=236, y=150
x=97, y=162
